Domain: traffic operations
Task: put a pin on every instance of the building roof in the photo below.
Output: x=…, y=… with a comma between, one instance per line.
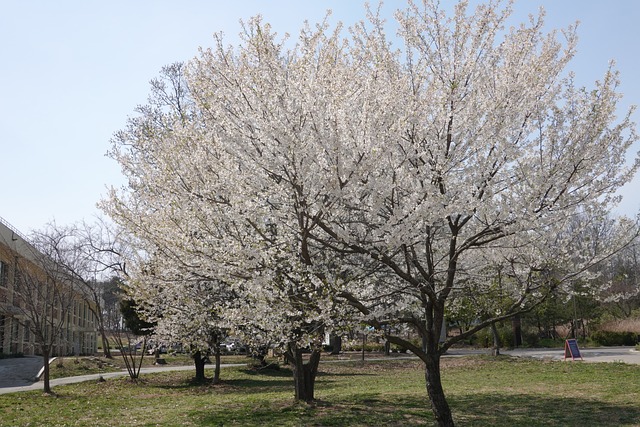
x=16, y=241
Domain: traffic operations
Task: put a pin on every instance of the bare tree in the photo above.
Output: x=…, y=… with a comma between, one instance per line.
x=47, y=296
x=132, y=335
x=94, y=261
x=92, y=254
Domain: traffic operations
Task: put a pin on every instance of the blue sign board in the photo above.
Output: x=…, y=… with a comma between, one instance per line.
x=571, y=349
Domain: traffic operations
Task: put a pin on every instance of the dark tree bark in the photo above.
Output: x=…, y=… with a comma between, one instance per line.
x=517, y=330
x=304, y=374
x=45, y=361
x=430, y=353
x=198, y=360
x=94, y=299
x=439, y=404
x=434, y=314
x=216, y=371
x=106, y=349
x=336, y=344
x=97, y=313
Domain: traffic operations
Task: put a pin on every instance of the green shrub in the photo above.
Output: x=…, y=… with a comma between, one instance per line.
x=484, y=337
x=530, y=339
x=367, y=347
x=550, y=343
x=610, y=338
x=395, y=348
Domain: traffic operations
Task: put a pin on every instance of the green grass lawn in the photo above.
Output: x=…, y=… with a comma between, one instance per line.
x=482, y=392
x=73, y=366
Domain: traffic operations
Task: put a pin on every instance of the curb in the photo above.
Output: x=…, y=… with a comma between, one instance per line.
x=41, y=371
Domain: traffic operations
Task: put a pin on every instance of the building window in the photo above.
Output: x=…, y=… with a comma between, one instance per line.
x=2, y=323
x=4, y=274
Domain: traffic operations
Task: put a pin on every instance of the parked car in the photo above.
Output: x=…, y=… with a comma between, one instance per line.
x=152, y=349
x=232, y=347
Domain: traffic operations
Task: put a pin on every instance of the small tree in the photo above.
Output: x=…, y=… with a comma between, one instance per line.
x=132, y=333
x=93, y=255
x=99, y=263
x=46, y=293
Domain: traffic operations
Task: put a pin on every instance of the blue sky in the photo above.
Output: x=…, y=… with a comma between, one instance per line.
x=72, y=72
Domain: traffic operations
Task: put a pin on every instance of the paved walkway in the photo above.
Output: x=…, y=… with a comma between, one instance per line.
x=94, y=377
x=19, y=374
x=19, y=371
x=597, y=354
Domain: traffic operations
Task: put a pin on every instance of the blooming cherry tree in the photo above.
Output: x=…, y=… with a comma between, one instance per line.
x=195, y=222
x=344, y=170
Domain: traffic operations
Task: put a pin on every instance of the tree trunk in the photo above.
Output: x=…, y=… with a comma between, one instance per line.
x=336, y=344
x=198, y=360
x=216, y=371
x=439, y=404
x=45, y=361
x=106, y=350
x=304, y=375
x=496, y=340
x=517, y=330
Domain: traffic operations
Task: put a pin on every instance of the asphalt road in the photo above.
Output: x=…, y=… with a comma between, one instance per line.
x=598, y=354
x=19, y=374
x=19, y=371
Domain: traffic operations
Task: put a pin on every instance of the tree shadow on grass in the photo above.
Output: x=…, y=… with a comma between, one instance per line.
x=468, y=410
x=359, y=410
x=287, y=372
x=347, y=374
x=253, y=381
x=268, y=372
x=236, y=385
x=533, y=410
